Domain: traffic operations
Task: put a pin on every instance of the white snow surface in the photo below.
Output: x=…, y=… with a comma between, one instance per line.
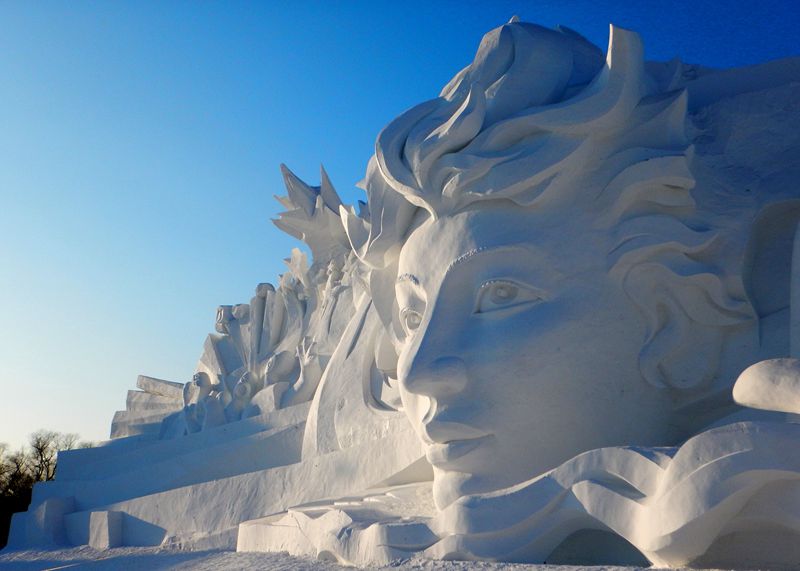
x=155, y=558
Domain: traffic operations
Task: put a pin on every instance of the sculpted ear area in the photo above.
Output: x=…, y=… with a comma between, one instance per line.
x=688, y=318
x=680, y=357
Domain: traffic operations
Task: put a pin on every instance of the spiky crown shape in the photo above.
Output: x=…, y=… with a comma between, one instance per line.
x=312, y=215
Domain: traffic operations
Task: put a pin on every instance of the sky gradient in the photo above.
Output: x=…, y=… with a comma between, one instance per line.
x=140, y=145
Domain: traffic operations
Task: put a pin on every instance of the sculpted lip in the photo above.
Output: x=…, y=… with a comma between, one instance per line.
x=442, y=454
x=442, y=432
x=449, y=441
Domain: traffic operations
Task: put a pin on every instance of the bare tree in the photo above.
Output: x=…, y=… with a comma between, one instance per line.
x=44, y=446
x=20, y=470
x=68, y=441
x=19, y=480
x=5, y=467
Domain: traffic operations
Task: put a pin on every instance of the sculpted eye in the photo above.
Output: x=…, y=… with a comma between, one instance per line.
x=411, y=320
x=496, y=295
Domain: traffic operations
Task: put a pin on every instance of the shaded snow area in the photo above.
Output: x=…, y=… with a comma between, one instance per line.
x=153, y=558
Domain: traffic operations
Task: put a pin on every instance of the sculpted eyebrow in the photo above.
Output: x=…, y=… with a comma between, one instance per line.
x=408, y=278
x=521, y=248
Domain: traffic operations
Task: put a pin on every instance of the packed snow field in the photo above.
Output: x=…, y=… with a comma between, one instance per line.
x=154, y=558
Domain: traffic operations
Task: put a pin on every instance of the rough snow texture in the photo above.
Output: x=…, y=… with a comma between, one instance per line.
x=521, y=348
x=153, y=559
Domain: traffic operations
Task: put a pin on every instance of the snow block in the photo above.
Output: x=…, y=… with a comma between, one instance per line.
x=141, y=401
x=45, y=525
x=17, y=532
x=160, y=387
x=98, y=529
x=127, y=423
x=105, y=529
x=76, y=527
x=76, y=464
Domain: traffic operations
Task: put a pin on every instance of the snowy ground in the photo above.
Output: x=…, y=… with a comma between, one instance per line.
x=152, y=558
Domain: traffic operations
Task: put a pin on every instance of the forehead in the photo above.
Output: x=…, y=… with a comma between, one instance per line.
x=434, y=246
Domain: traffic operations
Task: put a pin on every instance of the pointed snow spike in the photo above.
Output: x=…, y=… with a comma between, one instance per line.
x=300, y=193
x=329, y=194
x=285, y=201
x=514, y=19
x=319, y=205
x=356, y=229
x=675, y=67
x=287, y=228
x=614, y=91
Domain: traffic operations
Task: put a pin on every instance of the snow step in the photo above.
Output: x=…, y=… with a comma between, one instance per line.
x=160, y=387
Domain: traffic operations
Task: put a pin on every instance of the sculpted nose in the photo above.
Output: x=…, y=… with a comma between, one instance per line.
x=441, y=377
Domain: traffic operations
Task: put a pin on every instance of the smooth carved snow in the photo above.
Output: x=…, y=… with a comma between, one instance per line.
x=521, y=347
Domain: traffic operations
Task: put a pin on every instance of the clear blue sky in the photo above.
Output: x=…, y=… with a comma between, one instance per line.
x=140, y=144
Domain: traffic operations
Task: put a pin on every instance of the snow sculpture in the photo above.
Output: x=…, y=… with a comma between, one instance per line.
x=275, y=349
x=566, y=287
x=523, y=347
x=147, y=408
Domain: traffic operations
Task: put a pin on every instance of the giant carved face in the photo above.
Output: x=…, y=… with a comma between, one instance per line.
x=563, y=287
x=519, y=350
